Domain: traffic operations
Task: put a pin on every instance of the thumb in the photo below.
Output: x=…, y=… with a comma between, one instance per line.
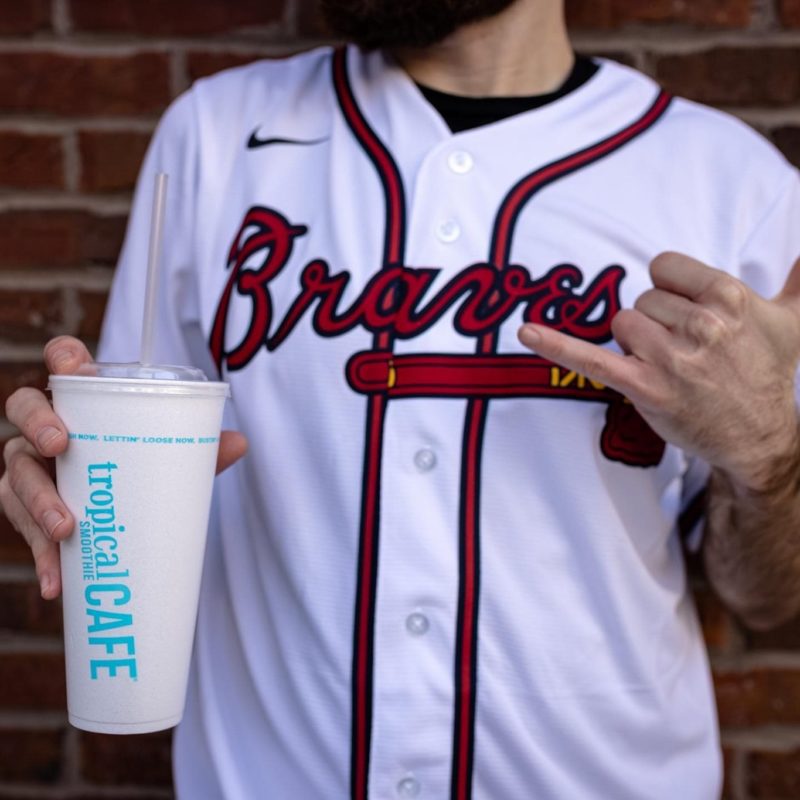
x=64, y=354
x=232, y=446
x=791, y=289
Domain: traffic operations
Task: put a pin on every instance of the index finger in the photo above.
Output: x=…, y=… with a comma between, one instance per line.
x=30, y=411
x=625, y=374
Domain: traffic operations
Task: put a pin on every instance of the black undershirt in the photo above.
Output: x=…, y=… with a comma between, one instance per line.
x=462, y=113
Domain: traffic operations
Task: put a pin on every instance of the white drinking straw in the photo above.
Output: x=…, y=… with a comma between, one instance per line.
x=153, y=269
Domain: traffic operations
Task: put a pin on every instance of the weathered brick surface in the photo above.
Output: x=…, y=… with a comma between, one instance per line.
x=720, y=629
x=788, y=140
x=13, y=549
x=785, y=637
x=29, y=161
x=59, y=238
x=32, y=16
x=143, y=759
x=729, y=76
x=30, y=755
x=15, y=374
x=22, y=610
x=605, y=14
x=758, y=697
x=774, y=776
x=57, y=83
x=30, y=315
x=93, y=306
x=789, y=11
x=110, y=160
x=32, y=681
x=176, y=17
x=201, y=63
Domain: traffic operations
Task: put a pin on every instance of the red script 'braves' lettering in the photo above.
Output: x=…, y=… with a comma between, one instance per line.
x=395, y=299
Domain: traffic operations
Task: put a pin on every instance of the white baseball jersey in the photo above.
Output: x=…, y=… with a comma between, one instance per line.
x=447, y=568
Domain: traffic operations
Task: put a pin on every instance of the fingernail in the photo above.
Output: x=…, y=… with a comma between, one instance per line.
x=47, y=436
x=44, y=585
x=52, y=519
x=529, y=335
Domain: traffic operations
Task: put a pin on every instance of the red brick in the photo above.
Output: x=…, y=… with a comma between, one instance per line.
x=32, y=16
x=143, y=760
x=606, y=14
x=57, y=83
x=29, y=315
x=775, y=776
x=720, y=630
x=93, y=306
x=789, y=11
x=13, y=549
x=22, y=610
x=758, y=697
x=115, y=794
x=730, y=758
x=173, y=17
x=110, y=160
x=734, y=76
x=30, y=161
x=788, y=140
x=30, y=755
x=153, y=793
x=14, y=375
x=785, y=637
x=59, y=238
x=32, y=681
x=309, y=20
x=200, y=63
x=616, y=55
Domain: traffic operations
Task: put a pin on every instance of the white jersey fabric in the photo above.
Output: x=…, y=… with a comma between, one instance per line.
x=446, y=568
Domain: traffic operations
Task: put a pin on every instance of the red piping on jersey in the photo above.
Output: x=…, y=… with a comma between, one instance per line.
x=364, y=625
x=363, y=369
x=467, y=640
x=384, y=163
x=529, y=185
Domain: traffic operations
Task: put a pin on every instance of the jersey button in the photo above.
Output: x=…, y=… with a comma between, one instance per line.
x=417, y=624
x=408, y=787
x=425, y=460
x=448, y=231
x=460, y=162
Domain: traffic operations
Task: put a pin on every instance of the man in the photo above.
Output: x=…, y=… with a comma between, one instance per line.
x=449, y=566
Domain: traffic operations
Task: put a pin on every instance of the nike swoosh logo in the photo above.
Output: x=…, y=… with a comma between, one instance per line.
x=253, y=142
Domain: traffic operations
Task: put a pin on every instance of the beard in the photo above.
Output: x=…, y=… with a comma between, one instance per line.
x=403, y=23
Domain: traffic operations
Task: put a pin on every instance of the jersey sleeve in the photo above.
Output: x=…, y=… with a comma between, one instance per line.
x=766, y=256
x=177, y=337
x=773, y=246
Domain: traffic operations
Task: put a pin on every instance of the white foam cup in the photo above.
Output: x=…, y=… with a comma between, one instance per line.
x=137, y=476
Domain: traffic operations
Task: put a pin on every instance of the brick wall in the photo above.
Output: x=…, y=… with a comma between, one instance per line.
x=82, y=83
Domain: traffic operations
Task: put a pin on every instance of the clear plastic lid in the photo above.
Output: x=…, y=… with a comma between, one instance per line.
x=138, y=378
x=134, y=370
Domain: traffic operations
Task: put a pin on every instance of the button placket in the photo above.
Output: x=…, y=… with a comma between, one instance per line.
x=425, y=459
x=448, y=231
x=417, y=624
x=460, y=162
x=408, y=787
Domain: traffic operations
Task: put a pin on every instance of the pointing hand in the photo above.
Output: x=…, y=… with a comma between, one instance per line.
x=707, y=362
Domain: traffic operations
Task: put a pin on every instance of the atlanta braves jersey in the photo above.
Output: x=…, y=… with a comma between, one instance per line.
x=447, y=568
